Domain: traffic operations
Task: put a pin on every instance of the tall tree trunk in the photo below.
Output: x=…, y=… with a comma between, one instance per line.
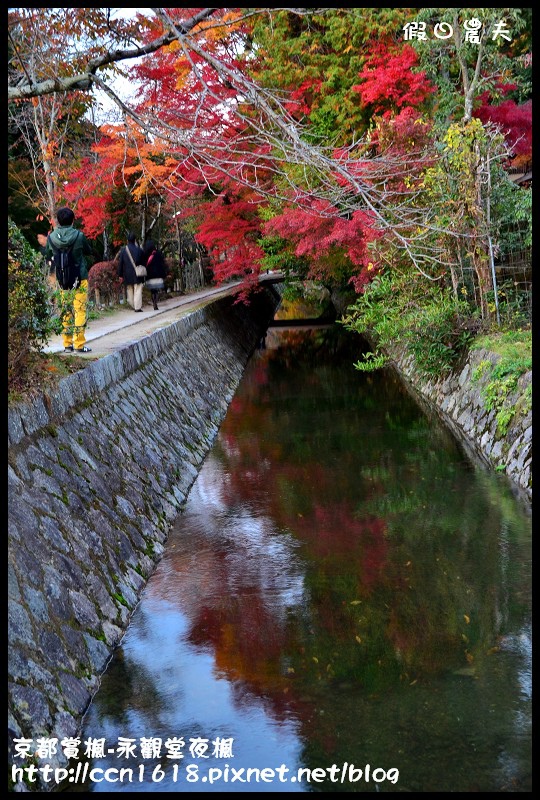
x=179, y=251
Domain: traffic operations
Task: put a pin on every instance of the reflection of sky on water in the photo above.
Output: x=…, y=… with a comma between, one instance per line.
x=195, y=697
x=255, y=553
x=194, y=701
x=521, y=644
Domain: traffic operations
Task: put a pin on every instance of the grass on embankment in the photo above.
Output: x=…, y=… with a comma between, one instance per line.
x=500, y=379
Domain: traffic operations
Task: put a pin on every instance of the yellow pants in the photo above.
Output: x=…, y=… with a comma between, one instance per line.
x=74, y=320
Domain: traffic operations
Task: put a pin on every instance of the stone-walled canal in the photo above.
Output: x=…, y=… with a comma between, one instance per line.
x=97, y=473
x=99, y=470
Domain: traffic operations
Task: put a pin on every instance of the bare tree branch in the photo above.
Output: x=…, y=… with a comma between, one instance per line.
x=84, y=80
x=270, y=139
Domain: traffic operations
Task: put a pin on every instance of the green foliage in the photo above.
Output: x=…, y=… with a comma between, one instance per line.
x=304, y=299
x=292, y=292
x=318, y=59
x=404, y=308
x=440, y=334
x=451, y=183
x=513, y=303
x=279, y=257
x=474, y=205
x=371, y=362
x=498, y=58
x=500, y=379
x=511, y=205
x=515, y=217
x=31, y=313
x=523, y=213
x=513, y=346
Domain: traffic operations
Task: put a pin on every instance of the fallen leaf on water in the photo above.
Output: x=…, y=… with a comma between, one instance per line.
x=315, y=659
x=290, y=669
x=358, y=639
x=355, y=602
x=466, y=618
x=468, y=672
x=493, y=650
x=413, y=682
x=469, y=657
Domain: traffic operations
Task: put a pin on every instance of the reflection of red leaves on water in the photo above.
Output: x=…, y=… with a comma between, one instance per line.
x=247, y=643
x=248, y=646
x=334, y=534
x=246, y=638
x=260, y=374
x=236, y=406
x=246, y=629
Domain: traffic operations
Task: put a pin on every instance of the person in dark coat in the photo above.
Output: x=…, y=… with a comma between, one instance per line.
x=156, y=269
x=126, y=271
x=75, y=317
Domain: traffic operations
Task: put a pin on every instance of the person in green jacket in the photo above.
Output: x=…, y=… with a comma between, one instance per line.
x=75, y=317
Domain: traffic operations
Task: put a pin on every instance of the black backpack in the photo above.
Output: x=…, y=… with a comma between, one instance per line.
x=68, y=273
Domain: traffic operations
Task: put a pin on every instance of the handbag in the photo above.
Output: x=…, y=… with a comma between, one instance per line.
x=140, y=269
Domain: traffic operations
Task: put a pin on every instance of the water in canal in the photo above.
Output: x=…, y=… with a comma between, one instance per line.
x=344, y=604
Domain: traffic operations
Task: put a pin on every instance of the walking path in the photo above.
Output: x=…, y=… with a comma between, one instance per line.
x=123, y=326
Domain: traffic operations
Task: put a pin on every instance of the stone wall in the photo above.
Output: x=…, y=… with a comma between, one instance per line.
x=98, y=471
